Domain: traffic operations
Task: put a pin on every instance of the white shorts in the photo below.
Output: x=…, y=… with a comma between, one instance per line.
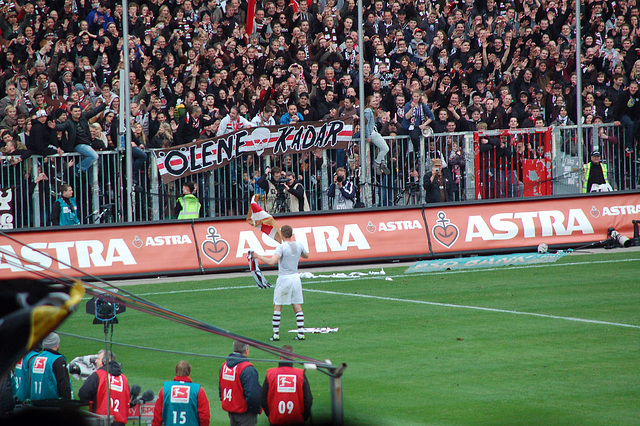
x=288, y=290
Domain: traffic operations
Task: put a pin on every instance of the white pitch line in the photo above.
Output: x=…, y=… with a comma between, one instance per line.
x=195, y=290
x=478, y=308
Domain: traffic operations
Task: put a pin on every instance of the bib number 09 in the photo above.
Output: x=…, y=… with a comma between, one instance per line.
x=285, y=407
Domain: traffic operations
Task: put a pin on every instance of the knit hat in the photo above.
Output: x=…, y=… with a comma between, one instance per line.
x=41, y=113
x=51, y=341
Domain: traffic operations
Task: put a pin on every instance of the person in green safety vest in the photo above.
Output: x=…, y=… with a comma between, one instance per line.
x=595, y=172
x=188, y=206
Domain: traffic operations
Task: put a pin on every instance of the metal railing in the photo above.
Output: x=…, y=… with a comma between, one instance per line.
x=226, y=192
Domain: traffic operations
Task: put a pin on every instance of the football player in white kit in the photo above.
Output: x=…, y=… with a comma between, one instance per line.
x=288, y=290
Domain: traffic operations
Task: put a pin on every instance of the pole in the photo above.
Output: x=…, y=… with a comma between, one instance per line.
x=578, y=82
x=125, y=100
x=337, y=405
x=364, y=159
x=105, y=361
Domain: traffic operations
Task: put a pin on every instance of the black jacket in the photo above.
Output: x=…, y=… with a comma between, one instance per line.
x=70, y=126
x=41, y=141
x=89, y=389
x=433, y=190
x=306, y=394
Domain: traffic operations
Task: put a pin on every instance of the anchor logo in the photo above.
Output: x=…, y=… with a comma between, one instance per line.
x=215, y=248
x=445, y=232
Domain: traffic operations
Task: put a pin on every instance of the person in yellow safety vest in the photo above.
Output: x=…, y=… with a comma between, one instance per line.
x=188, y=206
x=595, y=172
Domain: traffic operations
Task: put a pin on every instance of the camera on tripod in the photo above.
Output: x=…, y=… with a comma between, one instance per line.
x=413, y=187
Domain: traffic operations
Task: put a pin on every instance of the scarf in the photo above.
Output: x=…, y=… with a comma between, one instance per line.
x=256, y=273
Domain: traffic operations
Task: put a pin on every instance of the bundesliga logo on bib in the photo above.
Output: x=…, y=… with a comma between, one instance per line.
x=229, y=373
x=180, y=394
x=286, y=383
x=116, y=383
x=39, y=364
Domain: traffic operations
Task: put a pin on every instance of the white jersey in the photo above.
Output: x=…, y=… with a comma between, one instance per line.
x=227, y=125
x=290, y=253
x=257, y=121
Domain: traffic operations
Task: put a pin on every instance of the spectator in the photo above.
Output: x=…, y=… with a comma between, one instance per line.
x=417, y=116
x=181, y=401
x=40, y=140
x=372, y=136
x=191, y=125
x=292, y=116
x=12, y=98
x=163, y=138
x=264, y=118
x=77, y=128
x=232, y=122
x=626, y=113
x=308, y=112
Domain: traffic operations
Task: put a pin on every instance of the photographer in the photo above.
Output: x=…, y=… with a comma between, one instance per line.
x=94, y=389
x=342, y=191
x=272, y=182
x=412, y=190
x=437, y=184
x=296, y=195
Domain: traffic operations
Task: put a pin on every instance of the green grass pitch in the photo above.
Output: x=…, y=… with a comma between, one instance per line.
x=420, y=349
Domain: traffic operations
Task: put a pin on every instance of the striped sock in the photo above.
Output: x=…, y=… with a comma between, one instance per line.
x=275, y=322
x=300, y=322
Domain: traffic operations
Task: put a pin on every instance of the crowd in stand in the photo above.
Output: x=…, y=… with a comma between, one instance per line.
x=196, y=71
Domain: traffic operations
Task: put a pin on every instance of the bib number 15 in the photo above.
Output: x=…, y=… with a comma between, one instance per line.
x=179, y=418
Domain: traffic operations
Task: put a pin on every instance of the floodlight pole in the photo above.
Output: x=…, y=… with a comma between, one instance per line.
x=579, y=84
x=365, y=172
x=125, y=119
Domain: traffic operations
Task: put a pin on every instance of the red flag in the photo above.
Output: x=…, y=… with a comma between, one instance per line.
x=263, y=221
x=251, y=10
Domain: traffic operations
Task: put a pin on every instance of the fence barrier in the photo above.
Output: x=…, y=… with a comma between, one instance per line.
x=478, y=165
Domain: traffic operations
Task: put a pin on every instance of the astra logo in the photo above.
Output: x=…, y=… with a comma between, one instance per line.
x=82, y=254
x=505, y=226
x=618, y=210
x=399, y=225
x=168, y=240
x=326, y=238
